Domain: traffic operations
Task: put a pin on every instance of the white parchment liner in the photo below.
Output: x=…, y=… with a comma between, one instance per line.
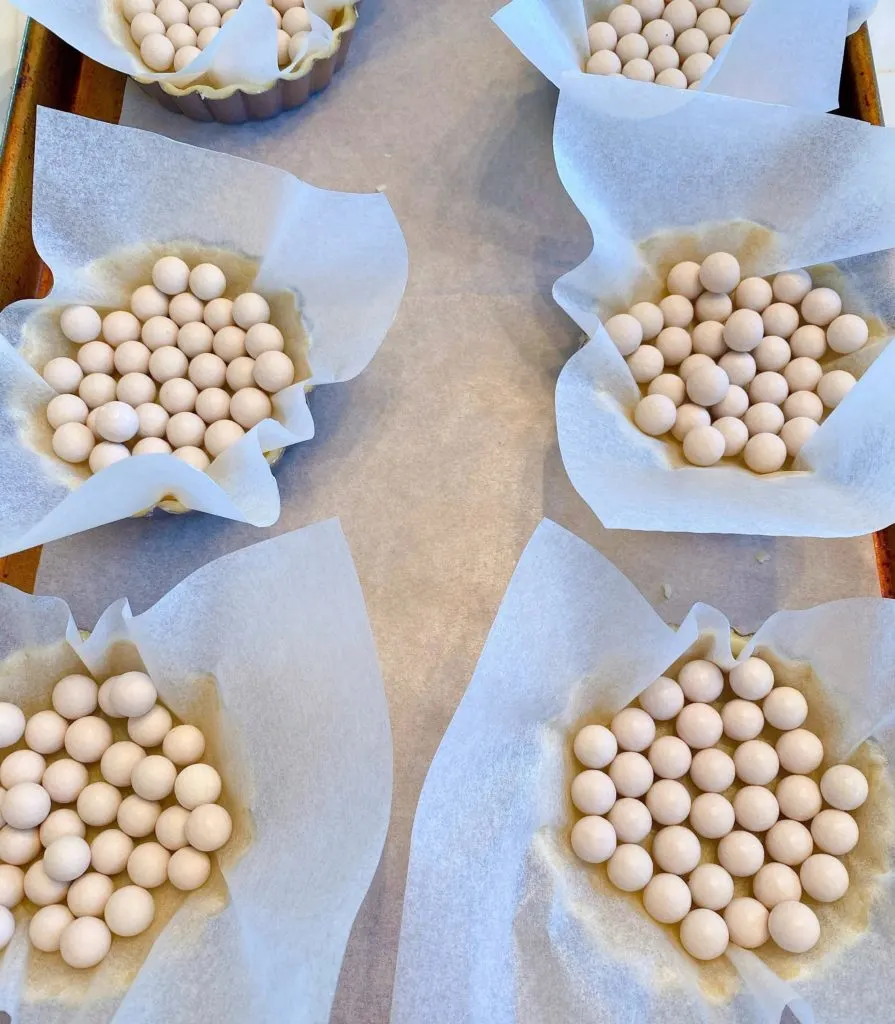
x=269, y=650
x=502, y=924
x=784, y=51
x=244, y=52
x=100, y=190
x=782, y=189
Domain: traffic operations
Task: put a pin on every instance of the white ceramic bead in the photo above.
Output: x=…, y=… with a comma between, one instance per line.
x=775, y=883
x=703, y=933
x=193, y=456
x=593, y=841
x=677, y=310
x=681, y=15
x=844, y=787
x=772, y=353
x=712, y=815
x=662, y=699
x=791, y=286
x=780, y=319
x=690, y=42
x=595, y=746
x=177, y=396
x=86, y=941
x=40, y=888
x=630, y=47
x=695, y=67
x=185, y=308
x=712, y=771
x=131, y=8
x=18, y=846
x=794, y=926
x=789, y=842
x=153, y=420
x=704, y=446
x=151, y=446
x=833, y=387
x=117, y=421
x=715, y=22
x=193, y=339
x=137, y=817
x=800, y=751
x=739, y=367
x=673, y=78
x=707, y=385
x=660, y=33
x=209, y=827
x=64, y=779
x=683, y=278
x=131, y=357
x=221, y=435
x=630, y=868
x=89, y=894
x=208, y=371
x=12, y=724
x=654, y=415
x=147, y=301
x=630, y=772
x=710, y=885
x=808, y=341
x=650, y=318
x=699, y=726
x=765, y=453
x=110, y=850
x=633, y=728
x=66, y=409
x=693, y=364
x=799, y=797
x=130, y=909
x=763, y=418
x=204, y=15
x=645, y=365
x=66, y=859
x=601, y=36
x=670, y=757
x=603, y=62
x=824, y=877
x=734, y=432
x=708, y=339
x=666, y=898
x=73, y=442
x=25, y=805
x=675, y=345
x=145, y=24
x=821, y=306
x=63, y=375
x=649, y=9
x=755, y=808
x=769, y=387
x=701, y=680
x=631, y=820
x=147, y=866
x=747, y=922
x=185, y=429
x=106, y=454
x=625, y=19
x=688, y=418
x=785, y=708
x=847, y=333
x=96, y=357
x=46, y=927
x=119, y=761
x=712, y=307
x=218, y=314
x=21, y=766
x=45, y=732
x=88, y=738
x=757, y=762
x=182, y=36
x=158, y=332
x=803, y=404
x=625, y=332
x=150, y=728
x=735, y=403
x=834, y=831
x=803, y=374
x=157, y=52
x=740, y=853
x=250, y=309
x=135, y=389
x=743, y=720
x=249, y=406
x=797, y=432
x=593, y=792
x=230, y=342
x=668, y=802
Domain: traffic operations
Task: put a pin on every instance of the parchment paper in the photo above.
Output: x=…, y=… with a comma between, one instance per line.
x=501, y=922
x=441, y=458
x=783, y=189
x=785, y=51
x=270, y=648
x=340, y=258
x=244, y=52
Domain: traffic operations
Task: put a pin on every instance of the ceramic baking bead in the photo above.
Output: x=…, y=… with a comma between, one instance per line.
x=824, y=877
x=797, y=433
x=12, y=725
x=40, y=888
x=631, y=773
x=273, y=371
x=629, y=47
x=61, y=822
x=821, y=306
x=131, y=357
x=158, y=332
x=131, y=8
x=677, y=311
x=844, y=787
x=106, y=454
x=172, y=12
x=780, y=319
x=96, y=357
x=157, y=52
x=675, y=345
x=803, y=404
x=46, y=927
x=701, y=680
x=769, y=387
x=250, y=309
x=87, y=739
x=785, y=708
x=734, y=433
x=151, y=446
x=756, y=762
x=630, y=868
x=668, y=802
x=177, y=396
x=284, y=39
x=834, y=831
x=45, y=732
x=119, y=761
x=712, y=771
x=799, y=797
x=297, y=19
x=80, y=324
x=765, y=453
x=230, y=342
x=699, y=726
x=170, y=828
x=695, y=67
x=153, y=777
x=110, y=850
x=660, y=33
x=204, y=15
x=12, y=885
x=740, y=853
x=667, y=898
x=707, y=385
x=200, y=784
x=625, y=19
x=98, y=803
x=21, y=766
x=691, y=41
x=708, y=339
x=742, y=720
x=715, y=22
x=153, y=421
x=117, y=421
x=763, y=418
x=207, y=281
x=85, y=942
x=847, y=333
x=103, y=698
x=249, y=406
x=631, y=820
x=676, y=849
x=772, y=353
x=689, y=417
x=147, y=302
x=662, y=699
x=834, y=386
x=194, y=339
x=649, y=9
x=135, y=389
x=683, y=278
x=755, y=808
x=221, y=435
x=63, y=375
x=603, y=62
x=66, y=859
x=794, y=926
x=189, y=869
x=130, y=910
x=703, y=933
x=634, y=729
x=147, y=866
x=710, y=886
x=182, y=36
x=747, y=922
x=133, y=694
x=670, y=757
x=739, y=367
x=74, y=696
x=594, y=746
x=284, y=5
x=151, y=728
x=601, y=36
x=800, y=751
x=734, y=404
x=167, y=363
x=218, y=314
x=136, y=816
x=775, y=883
x=694, y=364
x=789, y=842
x=704, y=446
x=803, y=374
x=89, y=894
x=71, y=409
x=681, y=15
x=650, y=318
x=736, y=9
x=207, y=371
x=791, y=286
x=808, y=342
x=209, y=827
x=185, y=429
x=712, y=308
x=185, y=308
x=194, y=457
x=625, y=332
x=18, y=846
x=25, y=805
x=119, y=327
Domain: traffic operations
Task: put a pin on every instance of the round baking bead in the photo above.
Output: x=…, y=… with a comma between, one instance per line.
x=681, y=15
x=40, y=888
x=103, y=698
x=66, y=859
x=189, y=869
x=803, y=405
x=631, y=773
x=119, y=761
x=699, y=726
x=592, y=792
x=755, y=808
x=209, y=827
x=25, y=805
x=797, y=433
x=734, y=404
x=194, y=457
x=780, y=319
x=87, y=739
x=17, y=845
x=775, y=883
x=132, y=357
x=147, y=301
x=712, y=815
x=200, y=784
x=740, y=853
x=769, y=387
x=756, y=762
x=720, y=271
x=765, y=453
x=85, y=942
x=594, y=746
x=690, y=41
x=785, y=708
x=639, y=70
x=66, y=409
x=718, y=44
x=630, y=47
x=133, y=694
x=701, y=680
x=631, y=820
x=704, y=446
x=711, y=886
x=98, y=803
x=12, y=886
x=218, y=314
x=151, y=446
x=284, y=41
x=834, y=386
x=109, y=851
x=167, y=363
x=739, y=367
x=634, y=729
x=763, y=418
x=45, y=732
x=96, y=357
x=772, y=353
x=847, y=333
x=798, y=797
x=284, y=5
x=295, y=20
x=221, y=435
x=808, y=342
x=660, y=33
x=59, y=823
x=80, y=324
x=249, y=309
x=177, y=396
x=794, y=926
x=601, y=36
x=743, y=330
x=117, y=421
x=136, y=816
x=213, y=404
x=106, y=454
x=46, y=927
x=183, y=37
x=662, y=699
x=120, y=327
x=667, y=898
x=645, y=365
x=742, y=720
x=708, y=385
x=130, y=909
x=147, y=866
x=803, y=374
x=89, y=894
x=712, y=771
x=204, y=15
x=696, y=66
x=157, y=52
x=603, y=62
x=704, y=934
x=693, y=364
x=153, y=421
x=150, y=729
x=751, y=679
x=194, y=339
x=689, y=417
x=208, y=371
x=789, y=842
x=230, y=342
x=791, y=286
x=593, y=841
x=625, y=19
x=135, y=389
x=800, y=751
x=821, y=306
x=844, y=787
x=675, y=345
x=670, y=757
x=752, y=292
x=12, y=725
x=677, y=311
x=676, y=849
x=708, y=339
x=683, y=278
x=64, y=375
x=185, y=429
x=249, y=406
x=711, y=308
x=21, y=766
x=240, y=373
x=650, y=318
x=206, y=35
x=144, y=24
x=170, y=829
x=747, y=922
x=835, y=832
x=630, y=868
x=668, y=802
x=158, y=332
x=824, y=877
x=207, y=281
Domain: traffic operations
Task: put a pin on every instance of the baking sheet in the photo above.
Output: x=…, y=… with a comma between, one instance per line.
x=441, y=458
x=269, y=650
